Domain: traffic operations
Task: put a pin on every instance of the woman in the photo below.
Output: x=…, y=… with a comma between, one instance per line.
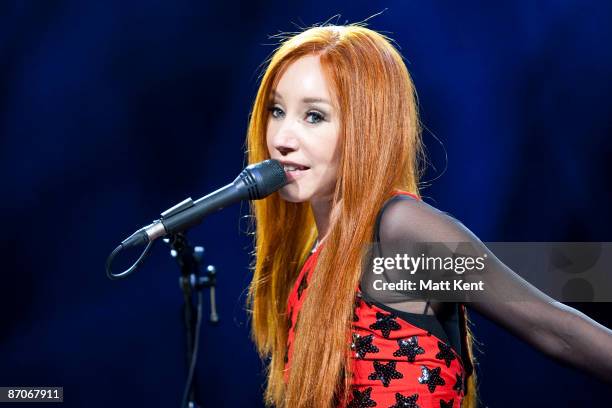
x=336, y=106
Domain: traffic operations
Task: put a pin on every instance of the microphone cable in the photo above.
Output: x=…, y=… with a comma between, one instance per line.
x=194, y=353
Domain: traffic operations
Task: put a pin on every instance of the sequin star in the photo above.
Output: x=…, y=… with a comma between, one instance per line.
x=363, y=345
x=409, y=348
x=458, y=383
x=449, y=404
x=385, y=372
x=362, y=399
x=446, y=353
x=303, y=285
x=431, y=378
x=405, y=402
x=385, y=323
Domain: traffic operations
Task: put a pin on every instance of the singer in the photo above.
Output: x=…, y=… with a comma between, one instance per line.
x=337, y=107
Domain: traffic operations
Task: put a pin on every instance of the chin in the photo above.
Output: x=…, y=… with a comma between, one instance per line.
x=291, y=193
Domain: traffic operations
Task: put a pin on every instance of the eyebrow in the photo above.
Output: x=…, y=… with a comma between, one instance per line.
x=305, y=100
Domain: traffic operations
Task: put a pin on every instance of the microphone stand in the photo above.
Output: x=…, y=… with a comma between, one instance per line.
x=255, y=182
x=191, y=281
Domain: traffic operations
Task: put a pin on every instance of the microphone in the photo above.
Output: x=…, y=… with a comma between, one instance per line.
x=255, y=182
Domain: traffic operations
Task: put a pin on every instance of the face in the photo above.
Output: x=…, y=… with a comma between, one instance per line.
x=303, y=130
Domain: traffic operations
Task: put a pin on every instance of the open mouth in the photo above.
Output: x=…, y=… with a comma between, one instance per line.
x=294, y=168
x=294, y=171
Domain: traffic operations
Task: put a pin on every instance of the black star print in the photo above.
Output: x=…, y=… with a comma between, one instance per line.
x=363, y=345
x=409, y=347
x=385, y=323
x=445, y=353
x=458, y=383
x=431, y=378
x=303, y=285
x=449, y=404
x=405, y=402
x=385, y=372
x=362, y=399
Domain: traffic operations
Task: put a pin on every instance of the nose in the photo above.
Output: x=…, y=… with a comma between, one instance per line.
x=285, y=141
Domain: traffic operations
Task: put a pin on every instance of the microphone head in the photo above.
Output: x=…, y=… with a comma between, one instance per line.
x=262, y=179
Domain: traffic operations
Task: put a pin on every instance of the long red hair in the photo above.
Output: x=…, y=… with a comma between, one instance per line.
x=380, y=142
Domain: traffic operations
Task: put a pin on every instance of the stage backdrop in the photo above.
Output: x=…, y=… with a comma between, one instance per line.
x=113, y=111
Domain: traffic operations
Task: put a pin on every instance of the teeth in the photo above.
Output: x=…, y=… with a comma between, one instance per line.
x=290, y=168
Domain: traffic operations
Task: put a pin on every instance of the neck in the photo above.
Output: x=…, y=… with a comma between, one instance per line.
x=322, y=211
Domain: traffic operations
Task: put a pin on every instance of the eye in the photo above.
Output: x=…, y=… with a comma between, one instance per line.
x=276, y=112
x=314, y=117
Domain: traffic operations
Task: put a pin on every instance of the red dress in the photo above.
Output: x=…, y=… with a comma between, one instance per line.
x=394, y=363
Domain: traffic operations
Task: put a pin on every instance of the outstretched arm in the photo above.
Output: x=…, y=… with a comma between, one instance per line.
x=555, y=329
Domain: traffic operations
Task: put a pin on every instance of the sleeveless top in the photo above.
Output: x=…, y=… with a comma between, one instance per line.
x=398, y=359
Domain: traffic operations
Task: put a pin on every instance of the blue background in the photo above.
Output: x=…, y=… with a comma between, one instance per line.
x=113, y=111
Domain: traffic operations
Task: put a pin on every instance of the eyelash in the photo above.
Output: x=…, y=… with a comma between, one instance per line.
x=320, y=116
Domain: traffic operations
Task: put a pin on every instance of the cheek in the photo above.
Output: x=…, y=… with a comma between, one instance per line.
x=329, y=156
x=333, y=150
x=335, y=160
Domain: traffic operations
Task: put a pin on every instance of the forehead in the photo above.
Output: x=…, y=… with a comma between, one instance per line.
x=304, y=77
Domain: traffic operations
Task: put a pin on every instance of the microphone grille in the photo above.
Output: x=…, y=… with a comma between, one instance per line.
x=264, y=178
